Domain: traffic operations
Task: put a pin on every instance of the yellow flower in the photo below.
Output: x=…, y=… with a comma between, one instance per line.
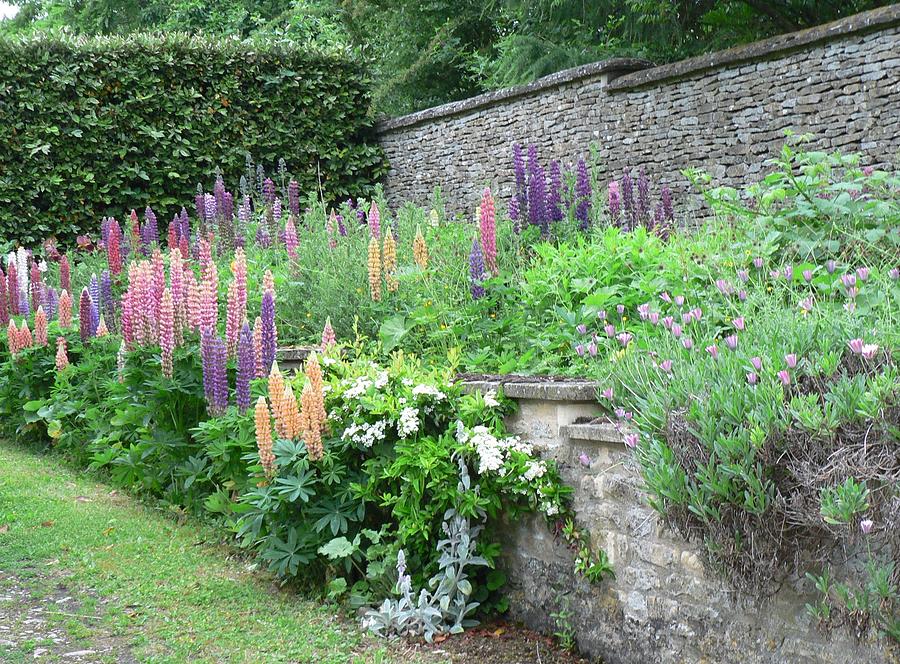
x=374, y=269
x=390, y=261
x=420, y=249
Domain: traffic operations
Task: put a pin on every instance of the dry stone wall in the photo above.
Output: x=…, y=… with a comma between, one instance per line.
x=664, y=606
x=726, y=112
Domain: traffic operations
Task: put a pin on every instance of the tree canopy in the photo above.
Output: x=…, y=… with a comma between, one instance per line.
x=426, y=52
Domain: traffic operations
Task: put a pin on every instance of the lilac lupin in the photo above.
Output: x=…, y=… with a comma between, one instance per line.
x=294, y=197
x=582, y=195
x=269, y=331
x=215, y=377
x=199, y=201
x=537, y=192
x=476, y=270
x=219, y=192
x=245, y=367
x=107, y=303
x=152, y=225
x=668, y=210
x=268, y=191
x=554, y=197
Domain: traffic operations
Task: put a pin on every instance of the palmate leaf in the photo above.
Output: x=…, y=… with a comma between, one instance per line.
x=337, y=515
x=297, y=487
x=285, y=557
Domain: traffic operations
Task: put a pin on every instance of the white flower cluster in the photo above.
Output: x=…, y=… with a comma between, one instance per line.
x=409, y=422
x=365, y=434
x=358, y=387
x=534, y=469
x=492, y=451
x=381, y=380
x=428, y=390
x=490, y=399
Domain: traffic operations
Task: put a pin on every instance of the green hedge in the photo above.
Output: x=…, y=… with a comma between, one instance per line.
x=94, y=127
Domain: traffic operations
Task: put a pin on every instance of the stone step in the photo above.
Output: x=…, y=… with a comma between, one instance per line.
x=598, y=431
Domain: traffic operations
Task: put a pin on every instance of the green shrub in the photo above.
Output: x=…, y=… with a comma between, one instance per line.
x=88, y=126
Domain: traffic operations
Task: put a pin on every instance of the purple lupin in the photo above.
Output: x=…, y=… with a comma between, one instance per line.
x=269, y=332
x=245, y=367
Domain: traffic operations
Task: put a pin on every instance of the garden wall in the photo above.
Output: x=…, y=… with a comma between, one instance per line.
x=663, y=607
x=725, y=112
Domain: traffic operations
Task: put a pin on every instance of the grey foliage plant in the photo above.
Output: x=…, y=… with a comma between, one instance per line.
x=443, y=607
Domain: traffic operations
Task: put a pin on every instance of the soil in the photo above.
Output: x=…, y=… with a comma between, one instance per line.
x=501, y=643
x=40, y=620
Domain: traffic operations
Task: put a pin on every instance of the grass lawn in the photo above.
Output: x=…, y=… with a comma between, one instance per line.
x=170, y=590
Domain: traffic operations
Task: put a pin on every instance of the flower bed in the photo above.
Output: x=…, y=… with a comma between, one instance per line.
x=751, y=368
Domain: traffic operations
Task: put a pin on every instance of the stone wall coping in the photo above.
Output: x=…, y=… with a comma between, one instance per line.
x=611, y=66
x=601, y=432
x=295, y=353
x=761, y=50
x=574, y=390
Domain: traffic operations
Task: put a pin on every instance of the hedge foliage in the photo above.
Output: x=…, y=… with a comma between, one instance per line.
x=95, y=127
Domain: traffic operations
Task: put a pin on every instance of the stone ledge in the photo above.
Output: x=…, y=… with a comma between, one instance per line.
x=761, y=50
x=612, y=67
x=600, y=432
x=573, y=391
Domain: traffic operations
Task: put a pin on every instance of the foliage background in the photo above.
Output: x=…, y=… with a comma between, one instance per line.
x=88, y=125
x=429, y=52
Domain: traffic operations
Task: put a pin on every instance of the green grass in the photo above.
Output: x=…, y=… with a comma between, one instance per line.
x=180, y=594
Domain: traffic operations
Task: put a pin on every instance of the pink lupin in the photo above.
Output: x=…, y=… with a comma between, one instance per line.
x=488, y=231
x=257, y=348
x=40, y=327
x=233, y=320
x=193, y=300
x=167, y=331
x=290, y=238
x=328, y=336
x=62, y=358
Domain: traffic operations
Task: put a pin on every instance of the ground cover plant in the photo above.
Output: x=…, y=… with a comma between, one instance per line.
x=157, y=588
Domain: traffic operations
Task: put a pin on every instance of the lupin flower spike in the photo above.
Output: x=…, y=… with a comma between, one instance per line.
x=374, y=263
x=263, y=422
x=374, y=221
x=245, y=368
x=40, y=327
x=328, y=337
x=167, y=332
x=390, y=261
x=62, y=358
x=488, y=231
x=269, y=331
x=420, y=250
x=102, y=330
x=257, y=348
x=84, y=316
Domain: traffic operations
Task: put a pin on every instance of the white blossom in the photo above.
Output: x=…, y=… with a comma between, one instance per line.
x=428, y=390
x=365, y=434
x=409, y=422
x=534, y=469
x=490, y=399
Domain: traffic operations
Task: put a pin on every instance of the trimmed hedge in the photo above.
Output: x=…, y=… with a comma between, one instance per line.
x=95, y=127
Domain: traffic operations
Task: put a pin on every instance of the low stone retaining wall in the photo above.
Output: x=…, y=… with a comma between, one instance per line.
x=663, y=606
